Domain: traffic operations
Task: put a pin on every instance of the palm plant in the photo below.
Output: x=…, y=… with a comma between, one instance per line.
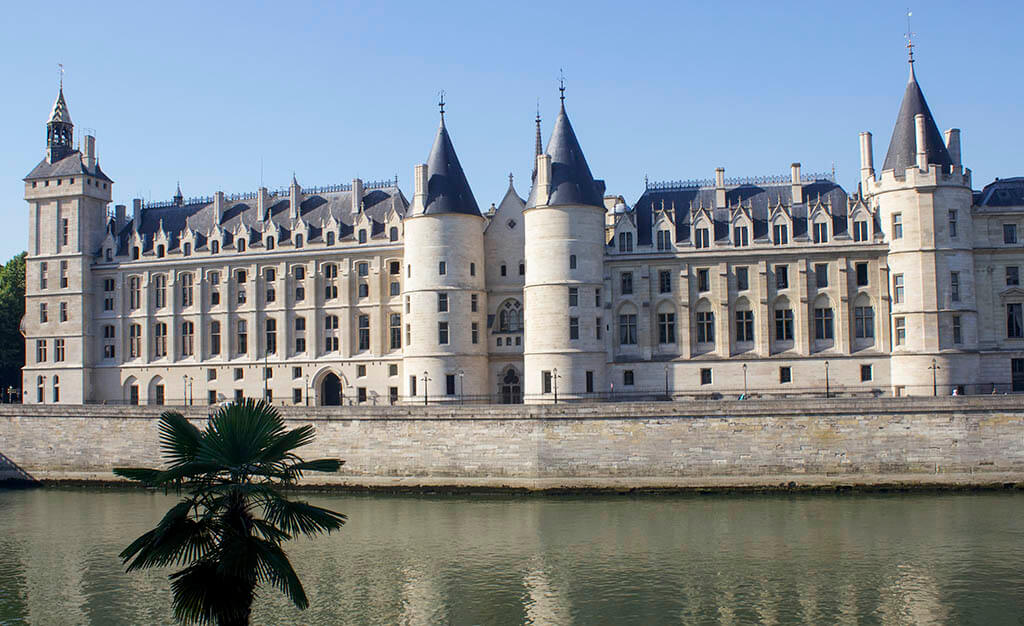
x=228, y=530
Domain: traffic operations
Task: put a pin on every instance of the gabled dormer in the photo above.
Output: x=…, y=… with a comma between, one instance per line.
x=624, y=238
x=741, y=225
x=187, y=242
x=860, y=220
x=703, y=221
x=664, y=230
x=780, y=223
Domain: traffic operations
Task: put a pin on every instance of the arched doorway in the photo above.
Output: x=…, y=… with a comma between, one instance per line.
x=330, y=390
x=511, y=388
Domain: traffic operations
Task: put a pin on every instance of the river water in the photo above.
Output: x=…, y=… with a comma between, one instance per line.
x=729, y=559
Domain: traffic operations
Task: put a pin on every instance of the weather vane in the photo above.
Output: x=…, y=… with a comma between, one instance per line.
x=441, y=103
x=910, y=38
x=60, y=71
x=561, y=84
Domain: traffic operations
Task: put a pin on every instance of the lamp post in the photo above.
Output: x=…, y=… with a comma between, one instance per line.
x=426, y=379
x=826, y=380
x=266, y=381
x=744, y=381
x=307, y=390
x=191, y=396
x=935, y=382
x=184, y=390
x=554, y=375
x=461, y=385
x=667, y=396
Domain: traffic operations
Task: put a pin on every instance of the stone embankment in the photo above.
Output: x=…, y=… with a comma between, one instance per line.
x=945, y=442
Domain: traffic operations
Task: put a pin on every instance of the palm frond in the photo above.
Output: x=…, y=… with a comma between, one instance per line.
x=143, y=475
x=203, y=595
x=275, y=568
x=294, y=517
x=179, y=438
x=238, y=433
x=177, y=539
x=282, y=446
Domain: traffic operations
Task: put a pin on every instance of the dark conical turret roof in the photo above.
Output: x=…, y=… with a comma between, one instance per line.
x=903, y=145
x=60, y=113
x=571, y=180
x=447, y=188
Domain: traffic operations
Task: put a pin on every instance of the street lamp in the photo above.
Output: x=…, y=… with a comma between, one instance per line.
x=667, y=396
x=555, y=376
x=184, y=390
x=426, y=379
x=461, y=385
x=307, y=389
x=744, y=381
x=935, y=383
x=826, y=380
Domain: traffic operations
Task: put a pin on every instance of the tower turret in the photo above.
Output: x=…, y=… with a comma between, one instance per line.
x=445, y=356
x=564, y=232
x=59, y=130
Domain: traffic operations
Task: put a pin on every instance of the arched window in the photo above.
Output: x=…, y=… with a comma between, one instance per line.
x=666, y=323
x=160, y=340
x=510, y=316
x=362, y=235
x=160, y=291
x=270, y=243
x=160, y=251
x=863, y=320
x=186, y=290
x=744, y=320
x=824, y=330
x=627, y=325
x=393, y=233
x=40, y=389
x=240, y=245
x=330, y=237
x=705, y=322
x=783, y=318
x=214, y=247
x=186, y=249
x=56, y=388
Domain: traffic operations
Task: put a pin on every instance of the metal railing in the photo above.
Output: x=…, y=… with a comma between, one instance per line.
x=709, y=183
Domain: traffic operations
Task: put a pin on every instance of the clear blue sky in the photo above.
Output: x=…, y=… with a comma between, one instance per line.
x=201, y=92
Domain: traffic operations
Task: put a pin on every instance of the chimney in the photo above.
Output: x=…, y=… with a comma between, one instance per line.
x=218, y=207
x=357, y=196
x=263, y=203
x=797, y=188
x=136, y=213
x=119, y=211
x=89, y=151
x=419, y=198
x=719, y=187
x=867, y=157
x=294, y=198
x=953, y=145
x=543, y=179
x=922, y=154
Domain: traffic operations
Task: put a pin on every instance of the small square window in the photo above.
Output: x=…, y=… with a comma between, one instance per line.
x=211, y=374
x=865, y=373
x=238, y=373
x=393, y=369
x=296, y=372
x=627, y=378
x=360, y=371
x=705, y=375
x=785, y=374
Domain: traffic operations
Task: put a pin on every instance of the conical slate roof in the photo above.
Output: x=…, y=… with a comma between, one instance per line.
x=571, y=180
x=60, y=111
x=903, y=145
x=447, y=188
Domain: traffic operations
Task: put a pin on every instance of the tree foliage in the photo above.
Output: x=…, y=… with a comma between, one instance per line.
x=12, y=309
x=226, y=533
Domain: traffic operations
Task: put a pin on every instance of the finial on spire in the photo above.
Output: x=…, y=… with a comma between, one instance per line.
x=440, y=103
x=510, y=179
x=561, y=86
x=910, y=40
x=60, y=71
x=537, y=143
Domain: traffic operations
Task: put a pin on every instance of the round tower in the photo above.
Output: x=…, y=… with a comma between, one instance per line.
x=444, y=299
x=564, y=353
x=923, y=199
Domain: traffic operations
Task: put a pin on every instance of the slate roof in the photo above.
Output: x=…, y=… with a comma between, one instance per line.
x=60, y=112
x=1001, y=193
x=759, y=200
x=903, y=145
x=314, y=210
x=71, y=165
x=571, y=180
x=447, y=188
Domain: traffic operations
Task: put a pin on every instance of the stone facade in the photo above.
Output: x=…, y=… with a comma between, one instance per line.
x=941, y=441
x=780, y=285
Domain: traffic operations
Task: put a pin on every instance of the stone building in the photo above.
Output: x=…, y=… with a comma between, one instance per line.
x=772, y=285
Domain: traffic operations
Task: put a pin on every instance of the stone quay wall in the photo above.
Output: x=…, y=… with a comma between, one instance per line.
x=816, y=443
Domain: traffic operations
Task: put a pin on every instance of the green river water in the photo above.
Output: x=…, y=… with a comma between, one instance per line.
x=715, y=559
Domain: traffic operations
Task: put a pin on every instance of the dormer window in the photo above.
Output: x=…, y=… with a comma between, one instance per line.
x=160, y=251
x=362, y=236
x=108, y=255
x=820, y=232
x=625, y=242
x=780, y=234
x=270, y=243
x=214, y=247
x=135, y=253
x=860, y=230
x=664, y=239
x=241, y=244
x=186, y=249
x=701, y=238
x=393, y=233
x=740, y=237
x=298, y=241
x=330, y=238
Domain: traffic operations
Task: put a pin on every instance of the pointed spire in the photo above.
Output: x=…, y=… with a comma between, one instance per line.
x=448, y=190
x=537, y=146
x=903, y=145
x=440, y=104
x=561, y=87
x=179, y=199
x=571, y=180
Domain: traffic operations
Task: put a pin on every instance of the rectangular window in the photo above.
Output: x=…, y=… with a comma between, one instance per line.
x=63, y=312
x=958, y=333
x=862, y=274
x=63, y=274
x=952, y=225
x=64, y=231
x=740, y=237
x=42, y=313
x=395, y=330
x=242, y=337
x=744, y=325
x=897, y=288
x=628, y=379
x=865, y=373
x=590, y=381
x=1014, y=321
x=1009, y=233
x=211, y=396
x=703, y=280
x=1012, y=276
x=442, y=303
x=820, y=232
x=574, y=296
x=664, y=281
x=900, y=326
x=58, y=350
x=780, y=234
x=42, y=275
x=823, y=324
x=627, y=329
x=545, y=381
x=864, y=322
x=360, y=371
x=783, y=325
x=187, y=345
x=782, y=277
x=40, y=350
x=574, y=328
x=214, y=338
x=572, y=261
x=627, y=283
x=442, y=268
x=821, y=275
x=954, y=286
x=598, y=327
x=135, y=341
x=705, y=375
x=597, y=297
x=474, y=333
x=271, y=336
x=364, y=332
x=860, y=230
x=473, y=303
x=705, y=327
x=449, y=384
x=442, y=333
x=666, y=328
x=785, y=374
x=160, y=340
x=239, y=373
x=625, y=242
x=742, y=279
x=664, y=240
x=296, y=396
x=296, y=372
x=701, y=240
x=897, y=226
